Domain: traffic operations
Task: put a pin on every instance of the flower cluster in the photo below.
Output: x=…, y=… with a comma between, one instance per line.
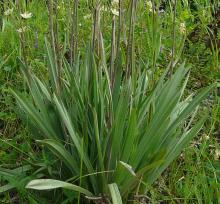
x=115, y=9
x=150, y=6
x=22, y=29
x=26, y=15
x=217, y=154
x=8, y=12
x=182, y=28
x=88, y=16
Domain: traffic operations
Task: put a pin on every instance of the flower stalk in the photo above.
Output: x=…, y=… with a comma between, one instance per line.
x=74, y=32
x=130, y=44
x=173, y=39
x=53, y=30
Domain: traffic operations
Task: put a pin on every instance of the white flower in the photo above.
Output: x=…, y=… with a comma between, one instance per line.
x=149, y=4
x=115, y=3
x=26, y=15
x=206, y=137
x=103, y=8
x=8, y=12
x=217, y=154
x=115, y=12
x=182, y=28
x=88, y=16
x=22, y=29
x=150, y=7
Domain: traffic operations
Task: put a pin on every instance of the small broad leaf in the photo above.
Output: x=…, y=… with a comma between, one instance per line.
x=49, y=184
x=5, y=188
x=115, y=194
x=128, y=167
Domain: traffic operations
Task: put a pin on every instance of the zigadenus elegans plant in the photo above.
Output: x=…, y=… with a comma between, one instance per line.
x=110, y=131
x=108, y=139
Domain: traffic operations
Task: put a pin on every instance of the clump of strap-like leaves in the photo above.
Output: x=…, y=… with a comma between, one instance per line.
x=113, y=140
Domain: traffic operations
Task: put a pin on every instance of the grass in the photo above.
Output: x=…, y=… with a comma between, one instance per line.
x=87, y=83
